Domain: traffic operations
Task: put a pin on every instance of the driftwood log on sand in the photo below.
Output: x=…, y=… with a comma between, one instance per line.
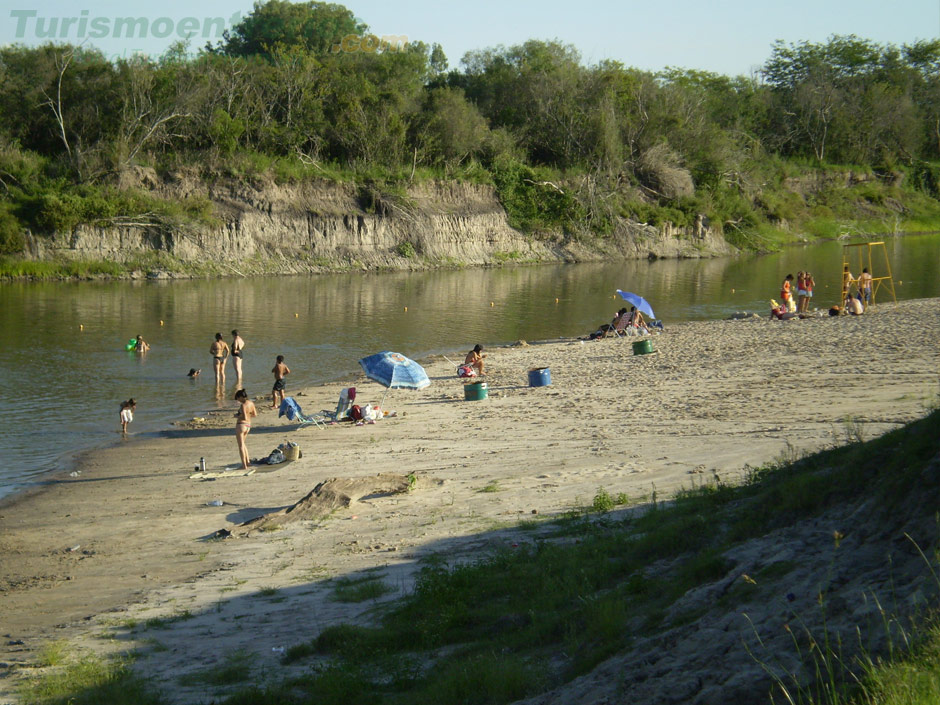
x=329, y=495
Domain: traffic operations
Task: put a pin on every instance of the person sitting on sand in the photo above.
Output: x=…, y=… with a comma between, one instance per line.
x=853, y=305
x=141, y=345
x=243, y=424
x=779, y=311
x=608, y=328
x=475, y=359
x=637, y=321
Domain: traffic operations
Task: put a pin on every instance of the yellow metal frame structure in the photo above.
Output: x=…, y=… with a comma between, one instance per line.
x=862, y=249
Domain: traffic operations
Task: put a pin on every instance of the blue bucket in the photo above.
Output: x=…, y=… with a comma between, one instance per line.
x=540, y=377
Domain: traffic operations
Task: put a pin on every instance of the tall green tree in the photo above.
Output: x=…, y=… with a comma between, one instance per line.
x=311, y=26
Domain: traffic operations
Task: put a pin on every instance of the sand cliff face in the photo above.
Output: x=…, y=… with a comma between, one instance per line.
x=325, y=225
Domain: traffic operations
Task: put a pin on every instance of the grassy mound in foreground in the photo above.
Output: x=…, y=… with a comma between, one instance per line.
x=591, y=588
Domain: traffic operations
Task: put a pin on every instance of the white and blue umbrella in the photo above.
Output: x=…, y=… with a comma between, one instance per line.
x=394, y=371
x=642, y=305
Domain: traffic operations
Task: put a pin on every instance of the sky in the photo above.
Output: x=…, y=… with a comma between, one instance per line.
x=731, y=37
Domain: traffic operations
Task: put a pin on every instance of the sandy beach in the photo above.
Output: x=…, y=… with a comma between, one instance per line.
x=128, y=539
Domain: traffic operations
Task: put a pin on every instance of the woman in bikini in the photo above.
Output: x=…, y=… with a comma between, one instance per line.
x=637, y=321
x=238, y=344
x=243, y=424
x=219, y=351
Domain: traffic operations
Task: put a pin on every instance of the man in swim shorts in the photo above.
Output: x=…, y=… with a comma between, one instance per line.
x=219, y=351
x=280, y=371
x=864, y=287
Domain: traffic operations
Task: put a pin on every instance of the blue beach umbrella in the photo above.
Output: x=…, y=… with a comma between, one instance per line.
x=394, y=371
x=642, y=305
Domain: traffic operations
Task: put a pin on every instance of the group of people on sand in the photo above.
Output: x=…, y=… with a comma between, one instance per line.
x=805, y=284
x=855, y=299
x=856, y=302
x=220, y=352
x=624, y=321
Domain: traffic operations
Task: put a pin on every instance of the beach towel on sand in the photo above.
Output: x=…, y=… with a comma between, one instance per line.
x=290, y=408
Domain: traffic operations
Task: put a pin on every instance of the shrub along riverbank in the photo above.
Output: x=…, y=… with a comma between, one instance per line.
x=797, y=203
x=571, y=149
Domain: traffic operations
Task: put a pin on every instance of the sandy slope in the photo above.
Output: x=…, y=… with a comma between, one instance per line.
x=124, y=542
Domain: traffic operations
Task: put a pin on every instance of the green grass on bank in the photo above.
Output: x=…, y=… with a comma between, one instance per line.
x=574, y=592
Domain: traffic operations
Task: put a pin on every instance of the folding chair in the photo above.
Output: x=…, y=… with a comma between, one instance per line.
x=291, y=409
x=623, y=327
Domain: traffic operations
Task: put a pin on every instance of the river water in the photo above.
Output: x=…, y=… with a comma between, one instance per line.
x=64, y=370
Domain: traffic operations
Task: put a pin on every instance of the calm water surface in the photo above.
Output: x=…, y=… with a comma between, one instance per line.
x=61, y=387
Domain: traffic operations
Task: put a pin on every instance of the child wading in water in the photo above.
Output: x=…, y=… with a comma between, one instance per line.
x=127, y=414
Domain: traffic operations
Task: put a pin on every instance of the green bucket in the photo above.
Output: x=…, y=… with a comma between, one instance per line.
x=643, y=347
x=475, y=391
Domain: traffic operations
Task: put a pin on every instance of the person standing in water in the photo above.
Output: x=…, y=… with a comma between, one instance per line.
x=127, y=413
x=243, y=424
x=238, y=344
x=219, y=351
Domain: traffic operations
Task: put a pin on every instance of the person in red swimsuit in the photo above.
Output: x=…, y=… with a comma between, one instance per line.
x=785, y=290
x=808, y=285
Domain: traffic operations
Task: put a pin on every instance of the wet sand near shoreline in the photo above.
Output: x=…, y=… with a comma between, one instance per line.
x=127, y=540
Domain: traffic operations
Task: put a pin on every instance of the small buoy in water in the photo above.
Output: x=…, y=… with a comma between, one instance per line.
x=732, y=291
x=161, y=323
x=296, y=315
x=492, y=304
x=556, y=300
x=81, y=327
x=406, y=309
x=899, y=283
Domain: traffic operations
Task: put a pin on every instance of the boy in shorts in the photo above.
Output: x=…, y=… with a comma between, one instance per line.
x=280, y=371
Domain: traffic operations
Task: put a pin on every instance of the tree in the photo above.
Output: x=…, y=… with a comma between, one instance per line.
x=450, y=128
x=311, y=26
x=537, y=90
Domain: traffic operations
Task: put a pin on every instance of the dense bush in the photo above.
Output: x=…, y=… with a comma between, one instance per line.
x=281, y=95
